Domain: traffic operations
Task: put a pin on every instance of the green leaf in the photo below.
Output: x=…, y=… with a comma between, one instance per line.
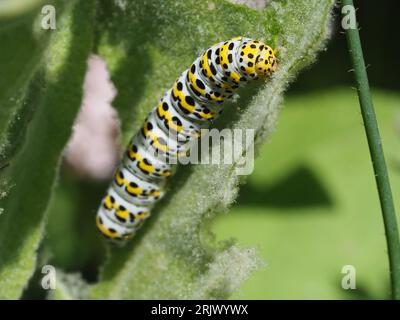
x=23, y=44
x=69, y=286
x=15, y=8
x=56, y=93
x=146, y=44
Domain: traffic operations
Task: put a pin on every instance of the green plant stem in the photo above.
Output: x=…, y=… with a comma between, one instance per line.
x=377, y=156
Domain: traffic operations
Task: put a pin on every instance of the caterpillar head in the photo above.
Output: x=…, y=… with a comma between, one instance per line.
x=266, y=62
x=256, y=60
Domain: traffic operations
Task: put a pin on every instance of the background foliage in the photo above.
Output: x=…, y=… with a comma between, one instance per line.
x=304, y=193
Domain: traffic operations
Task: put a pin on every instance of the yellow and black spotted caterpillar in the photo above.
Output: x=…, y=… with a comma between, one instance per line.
x=192, y=104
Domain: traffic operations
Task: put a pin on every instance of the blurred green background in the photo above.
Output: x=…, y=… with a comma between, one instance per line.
x=311, y=206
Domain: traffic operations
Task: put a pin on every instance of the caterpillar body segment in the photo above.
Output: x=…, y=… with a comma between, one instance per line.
x=166, y=144
x=170, y=120
x=144, y=163
x=194, y=101
x=111, y=229
x=123, y=212
x=136, y=190
x=188, y=104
